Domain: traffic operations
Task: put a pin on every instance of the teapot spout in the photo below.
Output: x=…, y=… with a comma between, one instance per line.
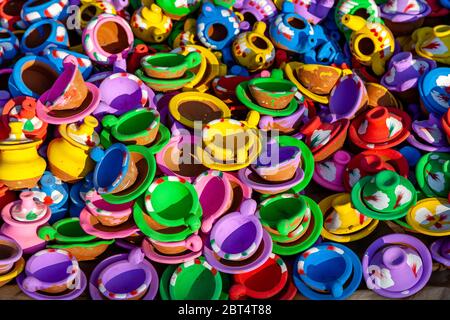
x=354, y=23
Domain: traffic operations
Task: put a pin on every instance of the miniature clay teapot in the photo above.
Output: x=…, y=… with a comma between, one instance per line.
x=90, y=9
x=16, y=154
x=371, y=43
x=256, y=10
x=404, y=16
x=68, y=155
x=433, y=43
x=176, y=10
x=150, y=24
x=253, y=50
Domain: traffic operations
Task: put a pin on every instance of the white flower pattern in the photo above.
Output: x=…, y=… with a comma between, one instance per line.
x=379, y=200
x=394, y=125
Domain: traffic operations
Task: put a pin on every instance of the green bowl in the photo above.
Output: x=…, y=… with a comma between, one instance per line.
x=164, y=85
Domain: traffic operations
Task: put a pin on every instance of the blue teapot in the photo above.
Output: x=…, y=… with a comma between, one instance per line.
x=291, y=32
x=326, y=51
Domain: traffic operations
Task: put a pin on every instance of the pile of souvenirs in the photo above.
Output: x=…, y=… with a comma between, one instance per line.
x=240, y=146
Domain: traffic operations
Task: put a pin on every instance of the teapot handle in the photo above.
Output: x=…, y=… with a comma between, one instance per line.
x=47, y=233
x=32, y=284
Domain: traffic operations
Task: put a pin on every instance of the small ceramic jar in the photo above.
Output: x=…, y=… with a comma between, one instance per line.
x=385, y=196
x=34, y=11
x=329, y=173
x=68, y=155
x=16, y=154
x=371, y=43
x=54, y=193
x=178, y=10
x=67, y=234
x=429, y=135
x=115, y=271
x=432, y=171
x=90, y=9
x=108, y=39
x=380, y=128
x=292, y=32
x=256, y=10
x=433, y=90
x=343, y=281
x=23, y=109
x=403, y=17
x=42, y=35
x=22, y=219
x=430, y=217
x=10, y=14
x=217, y=26
x=396, y=266
x=433, y=43
x=253, y=50
x=150, y=24
x=70, y=98
x=32, y=76
x=9, y=44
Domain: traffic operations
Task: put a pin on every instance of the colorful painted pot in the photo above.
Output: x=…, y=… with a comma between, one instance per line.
x=34, y=11
x=195, y=280
x=115, y=170
x=432, y=172
x=196, y=109
x=114, y=280
x=138, y=126
x=324, y=138
x=307, y=238
x=385, y=196
x=264, y=282
x=237, y=235
x=173, y=202
x=256, y=10
x=90, y=9
x=430, y=216
x=23, y=109
x=433, y=43
x=9, y=44
x=403, y=74
x=32, y=76
x=51, y=271
x=170, y=161
x=10, y=253
x=403, y=17
x=54, y=193
x=366, y=9
x=440, y=251
x=380, y=128
x=16, y=154
x=253, y=50
x=428, y=135
x=329, y=173
x=107, y=39
x=128, y=93
x=22, y=219
x=215, y=136
x=217, y=26
x=215, y=195
x=328, y=271
x=314, y=80
x=67, y=234
x=283, y=213
x=178, y=10
x=117, y=271
x=371, y=43
x=10, y=14
x=150, y=24
x=173, y=252
x=292, y=32
x=164, y=85
x=348, y=96
x=184, y=32
x=371, y=162
x=57, y=56
x=342, y=222
x=169, y=65
x=69, y=99
x=107, y=214
x=433, y=90
x=254, y=261
x=13, y=273
x=68, y=155
x=42, y=35
x=397, y=266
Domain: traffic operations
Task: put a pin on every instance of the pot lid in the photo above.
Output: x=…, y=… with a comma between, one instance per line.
x=27, y=209
x=84, y=133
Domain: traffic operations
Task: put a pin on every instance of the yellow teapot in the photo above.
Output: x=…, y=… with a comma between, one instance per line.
x=21, y=166
x=433, y=43
x=371, y=43
x=68, y=156
x=92, y=8
x=150, y=24
x=253, y=50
